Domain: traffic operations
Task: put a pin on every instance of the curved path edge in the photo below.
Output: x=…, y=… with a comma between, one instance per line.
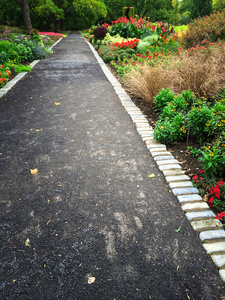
x=197, y=211
x=19, y=76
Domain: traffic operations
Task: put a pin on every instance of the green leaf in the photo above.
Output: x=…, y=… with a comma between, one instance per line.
x=177, y=230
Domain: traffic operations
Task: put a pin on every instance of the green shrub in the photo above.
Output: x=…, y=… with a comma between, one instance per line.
x=164, y=97
x=168, y=131
x=143, y=45
x=210, y=28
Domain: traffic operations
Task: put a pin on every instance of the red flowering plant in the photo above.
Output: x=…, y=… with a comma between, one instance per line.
x=217, y=196
x=214, y=195
x=132, y=28
x=4, y=75
x=128, y=44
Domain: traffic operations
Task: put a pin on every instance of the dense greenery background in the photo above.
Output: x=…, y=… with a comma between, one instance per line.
x=79, y=14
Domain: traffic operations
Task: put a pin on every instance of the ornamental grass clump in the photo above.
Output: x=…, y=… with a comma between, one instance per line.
x=201, y=70
x=146, y=81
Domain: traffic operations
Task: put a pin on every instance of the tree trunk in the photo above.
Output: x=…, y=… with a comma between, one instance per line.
x=26, y=15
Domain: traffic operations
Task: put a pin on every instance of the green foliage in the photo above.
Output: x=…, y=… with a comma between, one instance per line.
x=194, y=151
x=144, y=44
x=213, y=158
x=202, y=122
x=218, y=4
x=167, y=131
x=21, y=68
x=201, y=8
x=210, y=28
x=164, y=97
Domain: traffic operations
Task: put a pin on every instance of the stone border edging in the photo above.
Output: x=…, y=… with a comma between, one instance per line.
x=19, y=76
x=197, y=211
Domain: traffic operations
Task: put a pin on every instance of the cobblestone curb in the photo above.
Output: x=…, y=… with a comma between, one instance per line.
x=197, y=211
x=19, y=76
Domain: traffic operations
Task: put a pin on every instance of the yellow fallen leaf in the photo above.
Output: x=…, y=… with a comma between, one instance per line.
x=31, y=129
x=27, y=242
x=151, y=175
x=34, y=171
x=218, y=224
x=57, y=103
x=48, y=222
x=37, y=130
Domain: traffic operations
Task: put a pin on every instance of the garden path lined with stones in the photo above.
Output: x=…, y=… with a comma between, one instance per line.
x=91, y=223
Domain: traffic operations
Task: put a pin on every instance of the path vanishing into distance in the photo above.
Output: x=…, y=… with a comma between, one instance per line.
x=88, y=223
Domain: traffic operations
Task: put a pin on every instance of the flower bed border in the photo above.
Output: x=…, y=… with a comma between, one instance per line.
x=197, y=211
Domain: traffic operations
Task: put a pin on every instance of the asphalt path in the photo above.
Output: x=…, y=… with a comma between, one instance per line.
x=88, y=223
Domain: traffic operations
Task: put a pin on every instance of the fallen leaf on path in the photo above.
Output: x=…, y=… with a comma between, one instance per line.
x=151, y=175
x=177, y=230
x=37, y=130
x=27, y=242
x=57, y=103
x=48, y=222
x=34, y=171
x=91, y=280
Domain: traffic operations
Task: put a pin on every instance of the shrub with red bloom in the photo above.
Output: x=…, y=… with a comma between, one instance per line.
x=220, y=216
x=211, y=201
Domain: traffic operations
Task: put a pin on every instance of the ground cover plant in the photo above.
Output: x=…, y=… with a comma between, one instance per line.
x=180, y=77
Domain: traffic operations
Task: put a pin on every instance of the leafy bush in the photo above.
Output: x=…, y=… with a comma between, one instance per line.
x=144, y=44
x=164, y=97
x=210, y=28
x=167, y=131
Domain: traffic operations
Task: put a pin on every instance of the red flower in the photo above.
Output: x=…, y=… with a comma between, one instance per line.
x=202, y=171
x=211, y=200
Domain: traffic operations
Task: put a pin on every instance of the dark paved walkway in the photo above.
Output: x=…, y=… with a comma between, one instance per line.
x=91, y=211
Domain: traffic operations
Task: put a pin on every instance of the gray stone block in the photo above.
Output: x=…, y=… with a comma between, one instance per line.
x=215, y=248
x=184, y=191
x=173, y=172
x=176, y=178
x=200, y=215
x=199, y=206
x=222, y=274
x=211, y=235
x=167, y=162
x=189, y=198
x=219, y=261
x=204, y=225
x=163, y=157
x=180, y=184
x=169, y=167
